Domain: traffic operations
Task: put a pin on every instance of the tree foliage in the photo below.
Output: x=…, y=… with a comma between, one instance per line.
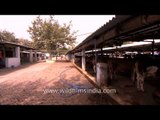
x=8, y=36
x=49, y=35
x=25, y=42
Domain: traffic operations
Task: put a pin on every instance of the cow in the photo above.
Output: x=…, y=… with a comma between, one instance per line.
x=145, y=68
x=114, y=66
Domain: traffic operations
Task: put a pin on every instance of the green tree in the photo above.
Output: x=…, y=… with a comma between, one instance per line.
x=49, y=35
x=8, y=36
x=25, y=42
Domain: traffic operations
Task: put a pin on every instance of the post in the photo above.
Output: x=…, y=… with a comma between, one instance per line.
x=18, y=56
x=35, y=55
x=153, y=42
x=95, y=47
x=31, y=56
x=4, y=56
x=101, y=76
x=73, y=58
x=116, y=52
x=101, y=52
x=4, y=52
x=83, y=60
x=18, y=52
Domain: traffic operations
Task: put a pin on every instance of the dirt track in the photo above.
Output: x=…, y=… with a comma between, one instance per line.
x=27, y=84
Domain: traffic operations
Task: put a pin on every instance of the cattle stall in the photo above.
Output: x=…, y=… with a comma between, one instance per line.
x=125, y=66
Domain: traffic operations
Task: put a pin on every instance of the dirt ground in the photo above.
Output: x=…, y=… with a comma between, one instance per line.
x=31, y=84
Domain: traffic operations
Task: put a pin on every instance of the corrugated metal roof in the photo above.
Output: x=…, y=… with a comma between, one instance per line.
x=109, y=25
x=6, y=42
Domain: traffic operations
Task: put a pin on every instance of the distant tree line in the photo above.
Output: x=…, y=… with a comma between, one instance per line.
x=46, y=35
x=10, y=37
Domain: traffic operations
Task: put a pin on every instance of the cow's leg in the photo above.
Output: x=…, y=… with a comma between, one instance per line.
x=137, y=75
x=138, y=85
x=142, y=86
x=133, y=77
x=94, y=68
x=140, y=82
x=110, y=71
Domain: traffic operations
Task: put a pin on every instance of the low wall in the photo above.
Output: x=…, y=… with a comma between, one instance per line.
x=12, y=62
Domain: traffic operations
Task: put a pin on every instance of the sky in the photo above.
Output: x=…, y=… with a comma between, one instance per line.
x=84, y=24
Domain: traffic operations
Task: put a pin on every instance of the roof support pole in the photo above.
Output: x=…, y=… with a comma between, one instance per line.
x=101, y=52
x=31, y=56
x=83, y=60
x=4, y=51
x=95, y=47
x=73, y=58
x=35, y=53
x=17, y=51
x=153, y=42
x=116, y=52
x=4, y=55
x=92, y=52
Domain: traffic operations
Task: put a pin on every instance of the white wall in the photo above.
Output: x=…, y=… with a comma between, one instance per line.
x=101, y=74
x=12, y=62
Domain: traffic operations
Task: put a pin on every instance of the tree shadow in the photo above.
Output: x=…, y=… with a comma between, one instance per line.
x=62, y=61
x=6, y=71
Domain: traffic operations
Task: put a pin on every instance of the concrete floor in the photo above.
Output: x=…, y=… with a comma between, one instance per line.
x=129, y=94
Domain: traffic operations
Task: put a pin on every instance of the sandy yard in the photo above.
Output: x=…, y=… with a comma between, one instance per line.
x=31, y=84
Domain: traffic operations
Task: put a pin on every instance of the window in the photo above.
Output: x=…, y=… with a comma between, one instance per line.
x=10, y=52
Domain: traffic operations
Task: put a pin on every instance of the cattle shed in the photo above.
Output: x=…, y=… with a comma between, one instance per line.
x=13, y=55
x=121, y=29
x=113, y=44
